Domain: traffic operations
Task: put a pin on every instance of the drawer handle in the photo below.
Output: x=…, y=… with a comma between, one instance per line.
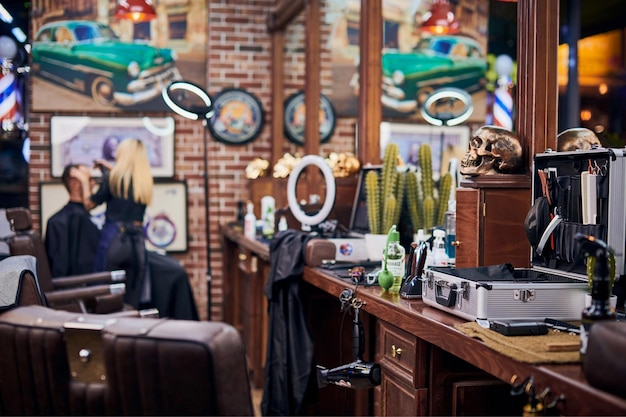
x=242, y=257
x=455, y=243
x=395, y=351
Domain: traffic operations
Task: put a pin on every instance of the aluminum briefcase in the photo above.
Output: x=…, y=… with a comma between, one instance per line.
x=555, y=285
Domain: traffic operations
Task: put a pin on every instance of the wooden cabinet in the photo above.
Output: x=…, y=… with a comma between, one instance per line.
x=490, y=214
x=245, y=305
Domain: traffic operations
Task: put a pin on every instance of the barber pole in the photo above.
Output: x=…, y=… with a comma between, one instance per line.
x=503, y=106
x=503, y=100
x=9, y=106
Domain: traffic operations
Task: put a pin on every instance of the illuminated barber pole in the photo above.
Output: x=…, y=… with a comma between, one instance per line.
x=503, y=100
x=9, y=106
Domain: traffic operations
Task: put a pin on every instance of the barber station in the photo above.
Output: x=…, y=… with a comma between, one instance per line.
x=303, y=208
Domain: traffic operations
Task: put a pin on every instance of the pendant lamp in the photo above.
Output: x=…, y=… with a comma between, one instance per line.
x=135, y=10
x=439, y=20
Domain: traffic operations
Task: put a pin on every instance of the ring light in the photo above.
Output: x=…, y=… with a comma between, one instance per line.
x=177, y=97
x=192, y=102
x=450, y=118
x=329, y=200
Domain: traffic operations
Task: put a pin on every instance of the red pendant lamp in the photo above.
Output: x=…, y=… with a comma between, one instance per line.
x=439, y=20
x=135, y=10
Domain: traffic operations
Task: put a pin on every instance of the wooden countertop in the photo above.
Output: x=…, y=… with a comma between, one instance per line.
x=437, y=327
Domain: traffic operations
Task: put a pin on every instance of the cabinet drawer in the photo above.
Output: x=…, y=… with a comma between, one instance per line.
x=405, y=354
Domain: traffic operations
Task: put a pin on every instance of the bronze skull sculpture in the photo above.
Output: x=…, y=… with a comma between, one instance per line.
x=492, y=150
x=577, y=138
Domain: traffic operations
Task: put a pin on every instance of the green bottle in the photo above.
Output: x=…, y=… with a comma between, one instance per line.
x=394, y=259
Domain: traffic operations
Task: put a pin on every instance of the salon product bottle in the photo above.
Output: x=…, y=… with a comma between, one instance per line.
x=249, y=224
x=282, y=224
x=394, y=258
x=439, y=248
x=451, y=231
x=600, y=308
x=267, y=215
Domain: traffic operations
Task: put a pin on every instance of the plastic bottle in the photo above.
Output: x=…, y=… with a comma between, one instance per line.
x=439, y=248
x=282, y=224
x=451, y=231
x=267, y=215
x=249, y=223
x=394, y=258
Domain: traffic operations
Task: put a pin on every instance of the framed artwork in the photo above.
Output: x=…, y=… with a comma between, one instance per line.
x=165, y=221
x=295, y=115
x=83, y=139
x=446, y=143
x=93, y=61
x=238, y=118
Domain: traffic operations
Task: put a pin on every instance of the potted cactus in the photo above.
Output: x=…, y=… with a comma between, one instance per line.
x=385, y=196
x=427, y=205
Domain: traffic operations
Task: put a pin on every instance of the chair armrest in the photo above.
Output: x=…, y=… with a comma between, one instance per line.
x=89, y=279
x=83, y=293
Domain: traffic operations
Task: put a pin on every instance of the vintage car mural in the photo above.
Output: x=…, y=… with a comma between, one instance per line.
x=88, y=56
x=437, y=61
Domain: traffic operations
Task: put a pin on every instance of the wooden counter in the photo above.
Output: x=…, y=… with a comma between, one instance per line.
x=436, y=345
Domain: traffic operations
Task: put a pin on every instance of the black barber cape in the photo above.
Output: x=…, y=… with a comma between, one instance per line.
x=289, y=368
x=71, y=241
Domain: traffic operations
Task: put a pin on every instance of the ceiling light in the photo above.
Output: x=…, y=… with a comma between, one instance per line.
x=440, y=20
x=135, y=10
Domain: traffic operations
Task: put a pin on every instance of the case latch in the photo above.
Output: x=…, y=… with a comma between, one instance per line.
x=524, y=295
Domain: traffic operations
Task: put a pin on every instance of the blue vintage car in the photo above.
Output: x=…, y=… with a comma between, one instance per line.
x=89, y=57
x=437, y=61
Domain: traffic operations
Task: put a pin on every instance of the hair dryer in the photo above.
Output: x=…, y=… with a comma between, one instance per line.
x=357, y=374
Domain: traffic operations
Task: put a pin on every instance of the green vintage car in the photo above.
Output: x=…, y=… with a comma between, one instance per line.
x=437, y=61
x=89, y=57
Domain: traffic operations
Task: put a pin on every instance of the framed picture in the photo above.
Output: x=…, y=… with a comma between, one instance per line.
x=83, y=139
x=295, y=115
x=238, y=118
x=165, y=221
x=446, y=143
x=95, y=61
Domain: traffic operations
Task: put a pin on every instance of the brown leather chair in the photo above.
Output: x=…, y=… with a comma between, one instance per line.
x=101, y=292
x=56, y=362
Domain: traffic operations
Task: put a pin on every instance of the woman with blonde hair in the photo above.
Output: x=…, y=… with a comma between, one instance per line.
x=127, y=189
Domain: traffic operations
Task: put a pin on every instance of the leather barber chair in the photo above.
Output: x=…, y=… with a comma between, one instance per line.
x=57, y=362
x=101, y=292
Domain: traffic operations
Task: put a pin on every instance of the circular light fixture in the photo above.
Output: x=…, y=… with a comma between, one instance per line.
x=188, y=100
x=8, y=47
x=447, y=97
x=329, y=200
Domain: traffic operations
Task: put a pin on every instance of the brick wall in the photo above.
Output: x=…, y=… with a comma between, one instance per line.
x=238, y=55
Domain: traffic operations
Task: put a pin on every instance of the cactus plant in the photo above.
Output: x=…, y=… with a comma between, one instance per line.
x=385, y=193
x=426, y=204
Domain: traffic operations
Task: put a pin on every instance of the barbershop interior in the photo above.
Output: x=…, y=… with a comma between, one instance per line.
x=313, y=207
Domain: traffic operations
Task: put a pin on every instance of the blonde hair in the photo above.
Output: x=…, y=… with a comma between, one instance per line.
x=132, y=165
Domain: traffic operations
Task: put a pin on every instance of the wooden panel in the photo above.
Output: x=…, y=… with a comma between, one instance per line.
x=401, y=400
x=467, y=227
x=504, y=236
x=484, y=397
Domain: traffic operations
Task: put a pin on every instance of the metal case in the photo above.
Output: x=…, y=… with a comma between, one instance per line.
x=556, y=283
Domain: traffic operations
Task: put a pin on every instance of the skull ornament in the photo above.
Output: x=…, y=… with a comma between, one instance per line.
x=577, y=138
x=493, y=150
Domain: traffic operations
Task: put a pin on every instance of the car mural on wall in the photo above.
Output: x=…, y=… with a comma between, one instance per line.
x=88, y=56
x=408, y=78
